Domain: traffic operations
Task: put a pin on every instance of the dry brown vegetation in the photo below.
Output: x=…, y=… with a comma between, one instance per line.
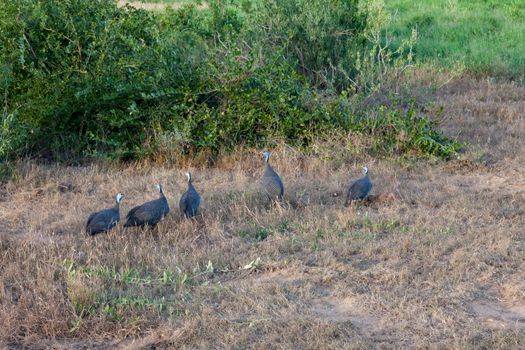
x=440, y=266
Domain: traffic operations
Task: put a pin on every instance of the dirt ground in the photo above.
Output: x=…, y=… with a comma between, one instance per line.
x=440, y=266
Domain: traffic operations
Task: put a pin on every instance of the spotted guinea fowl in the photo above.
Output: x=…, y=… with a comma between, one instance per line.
x=360, y=188
x=271, y=182
x=149, y=213
x=104, y=220
x=190, y=200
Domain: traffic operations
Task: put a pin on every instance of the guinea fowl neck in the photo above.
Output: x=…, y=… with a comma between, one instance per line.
x=117, y=201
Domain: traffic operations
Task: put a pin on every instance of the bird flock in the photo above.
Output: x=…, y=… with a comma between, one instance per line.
x=152, y=212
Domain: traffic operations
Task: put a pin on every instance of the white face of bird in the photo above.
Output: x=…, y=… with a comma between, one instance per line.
x=159, y=187
x=188, y=175
x=118, y=198
x=266, y=155
x=365, y=170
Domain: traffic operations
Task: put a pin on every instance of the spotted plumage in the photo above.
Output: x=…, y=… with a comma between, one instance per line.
x=149, y=213
x=271, y=182
x=359, y=189
x=190, y=200
x=104, y=220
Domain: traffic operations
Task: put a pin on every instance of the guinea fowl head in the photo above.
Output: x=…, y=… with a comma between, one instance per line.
x=365, y=170
x=159, y=188
x=266, y=155
x=188, y=175
x=118, y=198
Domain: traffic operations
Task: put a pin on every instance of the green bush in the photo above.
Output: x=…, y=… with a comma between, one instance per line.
x=88, y=79
x=72, y=72
x=323, y=39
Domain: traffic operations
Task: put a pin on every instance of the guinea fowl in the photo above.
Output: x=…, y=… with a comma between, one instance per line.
x=359, y=189
x=271, y=182
x=104, y=220
x=149, y=213
x=190, y=200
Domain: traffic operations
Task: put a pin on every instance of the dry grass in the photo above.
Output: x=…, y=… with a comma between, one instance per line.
x=156, y=5
x=443, y=266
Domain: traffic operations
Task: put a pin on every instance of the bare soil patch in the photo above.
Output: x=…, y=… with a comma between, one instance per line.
x=499, y=316
x=336, y=309
x=502, y=307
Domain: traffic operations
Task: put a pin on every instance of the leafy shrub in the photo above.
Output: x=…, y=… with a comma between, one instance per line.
x=88, y=79
x=74, y=71
x=400, y=131
x=322, y=38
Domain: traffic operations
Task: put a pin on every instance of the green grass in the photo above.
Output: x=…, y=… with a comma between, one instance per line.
x=170, y=2
x=482, y=36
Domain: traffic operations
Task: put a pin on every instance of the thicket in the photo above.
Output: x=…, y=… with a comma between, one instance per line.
x=89, y=79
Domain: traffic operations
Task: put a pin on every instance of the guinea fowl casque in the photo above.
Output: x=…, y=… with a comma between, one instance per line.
x=190, y=200
x=271, y=182
x=149, y=213
x=359, y=189
x=104, y=220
